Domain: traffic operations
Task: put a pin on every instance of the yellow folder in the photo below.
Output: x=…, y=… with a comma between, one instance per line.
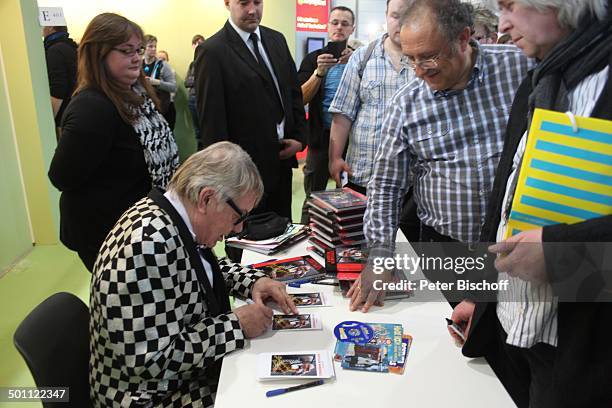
x=566, y=174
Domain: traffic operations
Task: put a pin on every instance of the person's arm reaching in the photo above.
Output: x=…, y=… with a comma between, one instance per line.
x=338, y=137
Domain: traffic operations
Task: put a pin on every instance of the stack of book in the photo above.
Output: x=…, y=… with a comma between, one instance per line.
x=336, y=222
x=336, y=218
x=294, y=233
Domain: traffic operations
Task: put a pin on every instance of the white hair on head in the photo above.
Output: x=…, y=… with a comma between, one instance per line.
x=570, y=12
x=225, y=167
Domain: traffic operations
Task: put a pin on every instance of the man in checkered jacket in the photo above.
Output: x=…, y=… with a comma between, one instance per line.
x=160, y=314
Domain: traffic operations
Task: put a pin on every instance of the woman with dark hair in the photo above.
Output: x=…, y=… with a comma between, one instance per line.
x=115, y=145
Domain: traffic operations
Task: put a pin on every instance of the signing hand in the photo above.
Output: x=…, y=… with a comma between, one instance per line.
x=336, y=166
x=324, y=63
x=254, y=319
x=522, y=256
x=289, y=147
x=266, y=288
x=462, y=316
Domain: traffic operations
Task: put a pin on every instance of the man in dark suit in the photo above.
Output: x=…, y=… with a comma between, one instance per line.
x=248, y=93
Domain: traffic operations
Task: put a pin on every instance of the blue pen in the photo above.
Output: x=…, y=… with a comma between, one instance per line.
x=280, y=391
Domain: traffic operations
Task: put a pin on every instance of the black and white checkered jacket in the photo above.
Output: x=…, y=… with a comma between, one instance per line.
x=151, y=335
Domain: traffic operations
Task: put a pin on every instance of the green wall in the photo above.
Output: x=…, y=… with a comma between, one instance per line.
x=15, y=238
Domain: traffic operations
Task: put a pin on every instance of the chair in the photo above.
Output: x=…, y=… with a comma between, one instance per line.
x=54, y=342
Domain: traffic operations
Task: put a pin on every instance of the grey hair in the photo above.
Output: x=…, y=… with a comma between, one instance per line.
x=452, y=16
x=570, y=12
x=487, y=18
x=224, y=167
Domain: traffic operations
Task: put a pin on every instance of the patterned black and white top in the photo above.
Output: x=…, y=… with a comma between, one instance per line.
x=151, y=335
x=159, y=146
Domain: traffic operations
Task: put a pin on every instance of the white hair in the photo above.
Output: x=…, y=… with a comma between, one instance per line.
x=224, y=167
x=570, y=12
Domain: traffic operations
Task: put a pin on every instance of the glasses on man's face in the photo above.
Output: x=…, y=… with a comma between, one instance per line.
x=131, y=51
x=241, y=215
x=430, y=63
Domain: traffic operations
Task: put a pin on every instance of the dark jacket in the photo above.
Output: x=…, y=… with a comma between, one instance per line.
x=584, y=355
x=233, y=98
x=61, y=56
x=99, y=167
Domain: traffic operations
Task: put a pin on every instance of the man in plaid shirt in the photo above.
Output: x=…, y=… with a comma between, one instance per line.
x=160, y=314
x=443, y=132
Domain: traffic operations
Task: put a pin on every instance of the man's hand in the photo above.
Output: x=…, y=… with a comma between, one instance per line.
x=344, y=57
x=363, y=293
x=336, y=166
x=462, y=316
x=324, y=63
x=153, y=81
x=289, y=148
x=254, y=319
x=522, y=256
x=266, y=288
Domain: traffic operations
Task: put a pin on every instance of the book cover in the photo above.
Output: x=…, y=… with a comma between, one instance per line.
x=345, y=259
x=292, y=269
x=339, y=200
x=565, y=175
x=376, y=355
x=398, y=367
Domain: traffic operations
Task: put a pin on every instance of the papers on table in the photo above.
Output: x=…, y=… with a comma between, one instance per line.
x=293, y=234
x=283, y=322
x=297, y=364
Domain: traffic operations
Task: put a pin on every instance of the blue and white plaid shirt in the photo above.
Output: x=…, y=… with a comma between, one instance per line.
x=363, y=101
x=447, y=144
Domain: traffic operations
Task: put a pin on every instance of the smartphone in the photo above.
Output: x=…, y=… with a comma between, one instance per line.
x=343, y=178
x=335, y=48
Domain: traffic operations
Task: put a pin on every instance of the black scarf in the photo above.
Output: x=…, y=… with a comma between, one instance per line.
x=581, y=54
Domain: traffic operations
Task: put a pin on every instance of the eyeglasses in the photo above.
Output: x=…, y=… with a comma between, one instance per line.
x=241, y=216
x=430, y=63
x=130, y=52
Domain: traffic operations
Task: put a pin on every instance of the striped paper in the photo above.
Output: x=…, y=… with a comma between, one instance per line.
x=566, y=176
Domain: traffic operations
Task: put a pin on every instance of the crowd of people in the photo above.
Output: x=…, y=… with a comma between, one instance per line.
x=430, y=121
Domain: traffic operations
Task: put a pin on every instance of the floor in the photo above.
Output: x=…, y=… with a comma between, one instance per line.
x=47, y=270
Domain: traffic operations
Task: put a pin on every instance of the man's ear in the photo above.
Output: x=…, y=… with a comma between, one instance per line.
x=464, y=38
x=206, y=194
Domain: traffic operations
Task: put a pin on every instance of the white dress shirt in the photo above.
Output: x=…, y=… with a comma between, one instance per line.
x=180, y=208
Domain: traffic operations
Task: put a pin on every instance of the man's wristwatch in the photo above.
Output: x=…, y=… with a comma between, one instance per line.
x=317, y=74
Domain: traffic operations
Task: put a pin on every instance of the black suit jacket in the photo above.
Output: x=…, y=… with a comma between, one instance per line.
x=583, y=358
x=233, y=102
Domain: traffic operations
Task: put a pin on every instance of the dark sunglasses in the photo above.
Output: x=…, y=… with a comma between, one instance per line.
x=241, y=216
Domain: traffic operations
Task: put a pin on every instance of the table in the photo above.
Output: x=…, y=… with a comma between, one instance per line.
x=437, y=374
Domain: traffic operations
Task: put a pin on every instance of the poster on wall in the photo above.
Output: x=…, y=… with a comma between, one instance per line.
x=311, y=15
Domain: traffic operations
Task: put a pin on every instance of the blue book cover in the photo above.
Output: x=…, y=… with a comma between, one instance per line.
x=377, y=354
